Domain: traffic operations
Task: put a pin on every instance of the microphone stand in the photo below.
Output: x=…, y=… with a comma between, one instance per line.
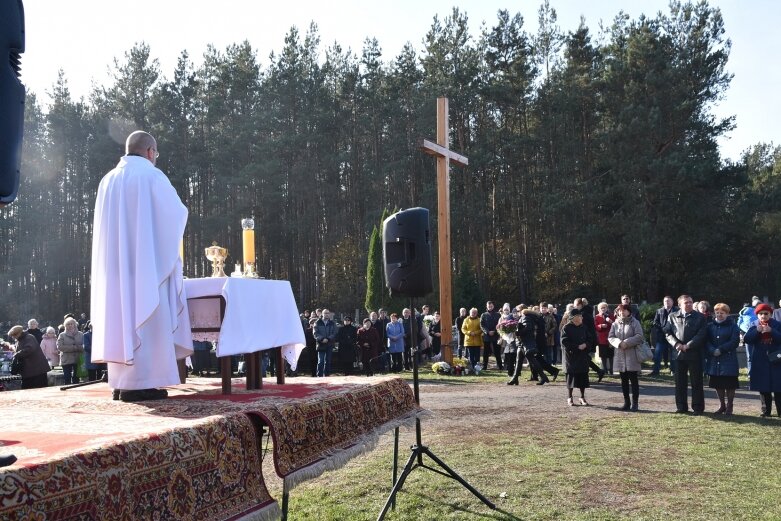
x=419, y=450
x=103, y=378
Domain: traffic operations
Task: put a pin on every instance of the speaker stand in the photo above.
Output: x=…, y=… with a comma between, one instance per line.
x=419, y=450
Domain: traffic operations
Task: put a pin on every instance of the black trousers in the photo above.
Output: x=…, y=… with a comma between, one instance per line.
x=766, y=399
x=492, y=346
x=509, y=363
x=395, y=362
x=539, y=364
x=34, y=382
x=692, y=369
x=627, y=378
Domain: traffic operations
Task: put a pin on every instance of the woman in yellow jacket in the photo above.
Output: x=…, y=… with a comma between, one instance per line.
x=473, y=336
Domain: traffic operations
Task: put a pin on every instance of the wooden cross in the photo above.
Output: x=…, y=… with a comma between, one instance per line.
x=444, y=156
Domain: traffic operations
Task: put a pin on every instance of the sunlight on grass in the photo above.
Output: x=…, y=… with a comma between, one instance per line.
x=646, y=467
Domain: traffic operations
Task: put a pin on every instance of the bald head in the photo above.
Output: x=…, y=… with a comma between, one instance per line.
x=140, y=143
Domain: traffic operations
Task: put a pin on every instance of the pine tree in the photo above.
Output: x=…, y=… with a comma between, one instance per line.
x=374, y=278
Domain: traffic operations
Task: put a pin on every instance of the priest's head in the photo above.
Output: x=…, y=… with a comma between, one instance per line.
x=141, y=143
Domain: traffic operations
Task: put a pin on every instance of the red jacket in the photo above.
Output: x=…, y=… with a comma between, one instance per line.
x=603, y=324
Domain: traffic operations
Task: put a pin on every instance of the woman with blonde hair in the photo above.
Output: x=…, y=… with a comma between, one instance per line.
x=722, y=339
x=70, y=344
x=473, y=336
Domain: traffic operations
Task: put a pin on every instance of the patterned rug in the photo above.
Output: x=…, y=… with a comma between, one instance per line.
x=195, y=455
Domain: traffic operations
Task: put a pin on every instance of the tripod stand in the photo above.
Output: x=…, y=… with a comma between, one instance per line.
x=419, y=450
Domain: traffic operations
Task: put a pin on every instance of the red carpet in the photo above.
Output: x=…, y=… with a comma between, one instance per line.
x=195, y=455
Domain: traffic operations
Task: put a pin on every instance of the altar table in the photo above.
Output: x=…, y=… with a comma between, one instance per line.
x=255, y=315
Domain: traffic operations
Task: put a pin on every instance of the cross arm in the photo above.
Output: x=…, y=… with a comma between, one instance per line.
x=433, y=149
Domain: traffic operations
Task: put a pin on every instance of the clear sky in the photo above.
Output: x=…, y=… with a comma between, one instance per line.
x=83, y=37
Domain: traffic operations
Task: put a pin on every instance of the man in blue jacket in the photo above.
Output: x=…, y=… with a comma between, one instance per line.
x=325, y=334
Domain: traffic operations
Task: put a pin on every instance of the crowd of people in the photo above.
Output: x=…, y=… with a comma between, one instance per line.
x=37, y=351
x=693, y=340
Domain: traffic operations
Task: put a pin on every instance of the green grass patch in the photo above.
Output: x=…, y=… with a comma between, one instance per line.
x=650, y=466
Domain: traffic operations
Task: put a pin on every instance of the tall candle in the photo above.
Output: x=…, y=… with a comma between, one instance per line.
x=181, y=250
x=249, y=246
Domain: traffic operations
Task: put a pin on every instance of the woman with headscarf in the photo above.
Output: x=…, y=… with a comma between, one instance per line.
x=347, y=336
x=34, y=365
x=625, y=335
x=70, y=344
x=722, y=339
x=574, y=341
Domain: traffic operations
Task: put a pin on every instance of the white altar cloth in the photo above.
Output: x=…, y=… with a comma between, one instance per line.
x=259, y=314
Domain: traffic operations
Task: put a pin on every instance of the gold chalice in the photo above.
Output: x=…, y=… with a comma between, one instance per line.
x=217, y=254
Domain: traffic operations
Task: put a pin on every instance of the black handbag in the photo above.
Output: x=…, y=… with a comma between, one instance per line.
x=16, y=365
x=775, y=356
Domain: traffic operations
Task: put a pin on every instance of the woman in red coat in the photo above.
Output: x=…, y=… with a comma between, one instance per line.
x=603, y=322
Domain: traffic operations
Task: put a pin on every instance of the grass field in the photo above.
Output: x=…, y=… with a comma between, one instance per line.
x=544, y=462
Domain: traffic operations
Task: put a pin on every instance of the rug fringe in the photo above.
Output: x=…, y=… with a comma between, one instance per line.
x=269, y=513
x=338, y=458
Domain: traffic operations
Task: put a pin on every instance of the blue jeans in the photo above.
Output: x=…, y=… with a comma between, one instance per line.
x=324, y=362
x=550, y=354
x=661, y=348
x=474, y=355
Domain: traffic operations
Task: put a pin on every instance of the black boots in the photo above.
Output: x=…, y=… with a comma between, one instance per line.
x=730, y=400
x=723, y=406
x=513, y=381
x=139, y=395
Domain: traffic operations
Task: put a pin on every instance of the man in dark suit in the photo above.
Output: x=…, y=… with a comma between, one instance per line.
x=685, y=331
x=660, y=319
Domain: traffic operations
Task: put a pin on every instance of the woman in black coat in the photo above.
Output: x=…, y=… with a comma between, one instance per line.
x=307, y=362
x=574, y=339
x=347, y=337
x=34, y=364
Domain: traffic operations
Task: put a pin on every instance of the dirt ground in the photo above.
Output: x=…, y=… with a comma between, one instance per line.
x=519, y=409
x=492, y=405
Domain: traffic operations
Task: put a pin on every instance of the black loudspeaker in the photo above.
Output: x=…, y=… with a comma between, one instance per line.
x=406, y=248
x=11, y=97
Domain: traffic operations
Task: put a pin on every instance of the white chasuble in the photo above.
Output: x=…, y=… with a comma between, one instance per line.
x=138, y=306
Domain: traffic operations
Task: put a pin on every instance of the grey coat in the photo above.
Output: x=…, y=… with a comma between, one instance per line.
x=70, y=347
x=689, y=330
x=629, y=331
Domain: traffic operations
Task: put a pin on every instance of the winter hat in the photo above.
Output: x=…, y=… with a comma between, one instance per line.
x=15, y=331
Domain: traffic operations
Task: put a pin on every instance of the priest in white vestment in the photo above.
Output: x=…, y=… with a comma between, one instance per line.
x=139, y=310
